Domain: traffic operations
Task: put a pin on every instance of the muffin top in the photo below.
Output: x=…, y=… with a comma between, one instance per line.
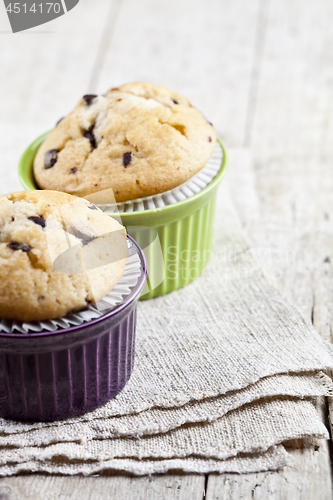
x=58, y=253
x=139, y=139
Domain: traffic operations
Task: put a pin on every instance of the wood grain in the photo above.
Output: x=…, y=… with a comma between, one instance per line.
x=205, y=52
x=262, y=72
x=41, y=487
x=306, y=480
x=44, y=74
x=282, y=186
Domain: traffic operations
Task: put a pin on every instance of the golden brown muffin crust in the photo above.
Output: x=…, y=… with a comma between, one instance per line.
x=139, y=139
x=57, y=254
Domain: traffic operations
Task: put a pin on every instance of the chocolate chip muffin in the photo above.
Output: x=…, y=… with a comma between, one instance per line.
x=58, y=253
x=139, y=139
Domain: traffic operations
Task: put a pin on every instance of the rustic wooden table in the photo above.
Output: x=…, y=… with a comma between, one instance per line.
x=262, y=71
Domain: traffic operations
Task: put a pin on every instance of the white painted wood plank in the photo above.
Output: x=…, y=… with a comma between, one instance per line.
x=292, y=152
x=308, y=478
x=282, y=187
x=43, y=76
x=202, y=49
x=45, y=73
x=41, y=487
x=56, y=68
x=293, y=120
x=305, y=481
x=168, y=46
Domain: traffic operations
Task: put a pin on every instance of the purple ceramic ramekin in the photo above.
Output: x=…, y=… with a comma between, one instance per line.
x=60, y=374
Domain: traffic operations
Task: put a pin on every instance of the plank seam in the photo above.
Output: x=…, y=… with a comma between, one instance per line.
x=105, y=42
x=259, y=47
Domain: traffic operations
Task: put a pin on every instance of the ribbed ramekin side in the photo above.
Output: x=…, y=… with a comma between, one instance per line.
x=67, y=382
x=28, y=386
x=186, y=248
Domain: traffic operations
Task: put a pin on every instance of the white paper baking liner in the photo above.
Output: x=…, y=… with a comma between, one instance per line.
x=195, y=184
x=118, y=294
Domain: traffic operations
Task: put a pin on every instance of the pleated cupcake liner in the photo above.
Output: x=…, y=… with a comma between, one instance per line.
x=189, y=188
x=115, y=297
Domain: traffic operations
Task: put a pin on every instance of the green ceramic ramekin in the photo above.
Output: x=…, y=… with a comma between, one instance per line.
x=176, y=239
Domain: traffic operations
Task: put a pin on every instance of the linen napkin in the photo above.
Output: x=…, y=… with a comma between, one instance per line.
x=213, y=361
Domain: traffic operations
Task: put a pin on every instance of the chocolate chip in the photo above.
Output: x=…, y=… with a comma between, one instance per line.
x=59, y=121
x=38, y=220
x=127, y=157
x=85, y=238
x=73, y=170
x=176, y=102
x=209, y=139
x=89, y=134
x=91, y=138
x=51, y=158
x=14, y=245
x=93, y=207
x=89, y=97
